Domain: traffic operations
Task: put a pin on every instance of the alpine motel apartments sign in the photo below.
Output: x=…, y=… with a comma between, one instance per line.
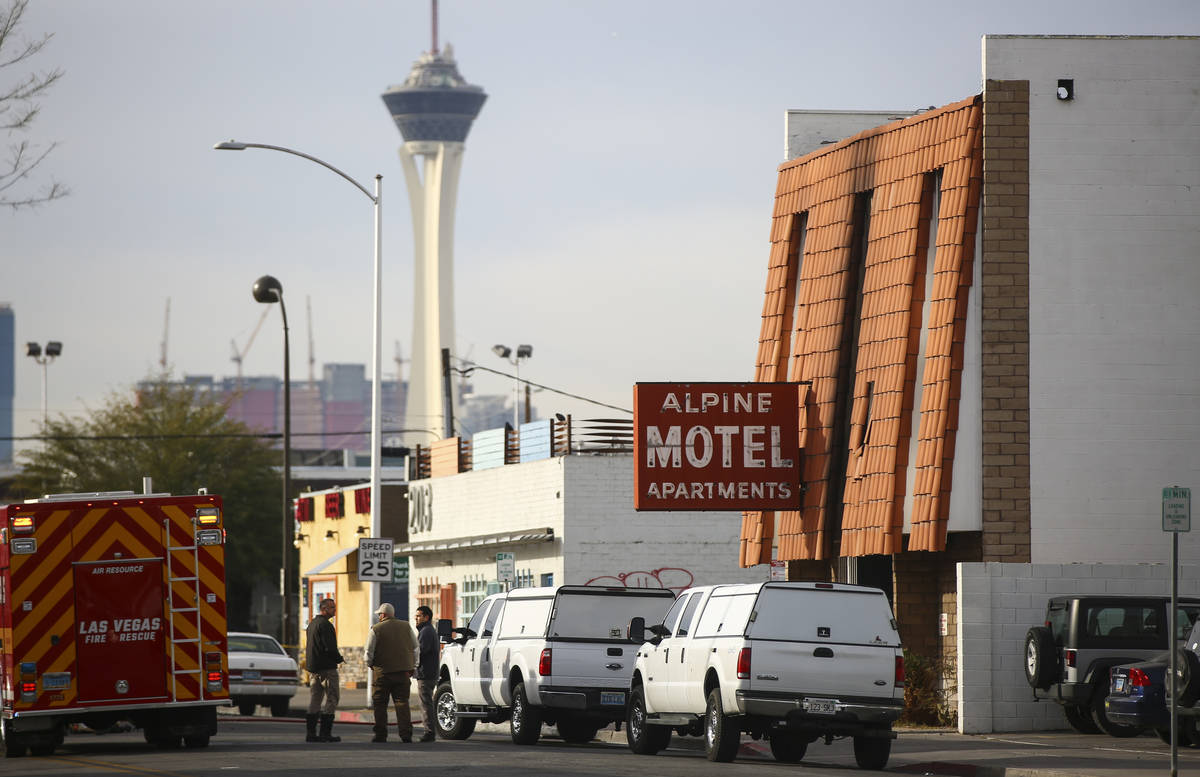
x=716, y=446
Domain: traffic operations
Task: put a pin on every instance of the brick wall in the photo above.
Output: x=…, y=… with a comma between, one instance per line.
x=1004, y=285
x=998, y=602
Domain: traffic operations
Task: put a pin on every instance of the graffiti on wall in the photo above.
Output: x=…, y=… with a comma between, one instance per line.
x=674, y=578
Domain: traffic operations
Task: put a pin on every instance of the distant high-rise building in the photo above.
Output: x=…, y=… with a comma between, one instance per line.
x=433, y=109
x=8, y=367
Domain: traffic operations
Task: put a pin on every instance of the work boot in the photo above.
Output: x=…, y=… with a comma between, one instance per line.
x=428, y=736
x=326, y=729
x=310, y=724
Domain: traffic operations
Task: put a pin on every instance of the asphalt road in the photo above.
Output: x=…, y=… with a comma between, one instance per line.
x=276, y=747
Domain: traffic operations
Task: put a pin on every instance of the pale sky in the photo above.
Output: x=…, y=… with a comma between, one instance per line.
x=615, y=196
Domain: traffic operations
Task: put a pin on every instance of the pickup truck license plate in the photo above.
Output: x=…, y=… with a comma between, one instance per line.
x=820, y=706
x=251, y=675
x=1119, y=685
x=612, y=698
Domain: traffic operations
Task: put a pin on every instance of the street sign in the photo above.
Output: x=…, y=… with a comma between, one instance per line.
x=374, y=559
x=1177, y=509
x=400, y=569
x=506, y=567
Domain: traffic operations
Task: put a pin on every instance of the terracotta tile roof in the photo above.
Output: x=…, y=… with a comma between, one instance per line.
x=814, y=203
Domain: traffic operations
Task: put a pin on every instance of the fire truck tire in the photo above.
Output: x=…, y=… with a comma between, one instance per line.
x=246, y=708
x=196, y=740
x=13, y=746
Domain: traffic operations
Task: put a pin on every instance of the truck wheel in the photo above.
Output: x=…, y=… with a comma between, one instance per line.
x=196, y=740
x=14, y=747
x=1041, y=667
x=872, y=752
x=643, y=738
x=445, y=715
x=721, y=739
x=526, y=723
x=1080, y=719
x=576, y=731
x=42, y=751
x=246, y=708
x=280, y=707
x=787, y=747
x=1100, y=714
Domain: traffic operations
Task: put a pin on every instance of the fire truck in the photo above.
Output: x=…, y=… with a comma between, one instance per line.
x=112, y=610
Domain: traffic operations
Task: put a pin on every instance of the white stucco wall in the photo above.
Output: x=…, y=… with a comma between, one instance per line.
x=607, y=541
x=599, y=538
x=1114, y=287
x=997, y=603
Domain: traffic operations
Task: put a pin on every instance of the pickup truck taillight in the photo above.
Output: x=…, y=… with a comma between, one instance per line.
x=544, y=663
x=899, y=671
x=1069, y=657
x=743, y=665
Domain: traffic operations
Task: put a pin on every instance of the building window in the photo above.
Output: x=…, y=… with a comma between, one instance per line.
x=429, y=594
x=474, y=589
x=548, y=579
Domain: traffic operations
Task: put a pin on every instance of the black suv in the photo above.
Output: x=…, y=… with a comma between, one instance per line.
x=1068, y=659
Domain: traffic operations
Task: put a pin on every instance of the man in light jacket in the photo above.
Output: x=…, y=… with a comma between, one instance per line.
x=391, y=654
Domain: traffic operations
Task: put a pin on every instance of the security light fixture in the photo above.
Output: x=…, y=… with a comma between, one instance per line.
x=1066, y=89
x=524, y=351
x=329, y=535
x=35, y=349
x=362, y=530
x=500, y=350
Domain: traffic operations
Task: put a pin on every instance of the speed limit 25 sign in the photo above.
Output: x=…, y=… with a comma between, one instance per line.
x=375, y=560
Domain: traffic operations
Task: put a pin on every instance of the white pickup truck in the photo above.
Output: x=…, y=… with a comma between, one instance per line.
x=559, y=656
x=789, y=662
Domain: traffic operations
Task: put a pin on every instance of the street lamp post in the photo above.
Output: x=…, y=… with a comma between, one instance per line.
x=43, y=357
x=523, y=352
x=377, y=355
x=267, y=290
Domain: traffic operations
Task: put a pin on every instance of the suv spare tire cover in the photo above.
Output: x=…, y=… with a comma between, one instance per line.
x=1041, y=663
x=1187, y=690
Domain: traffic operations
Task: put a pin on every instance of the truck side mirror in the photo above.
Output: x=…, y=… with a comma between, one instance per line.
x=445, y=629
x=660, y=630
x=637, y=630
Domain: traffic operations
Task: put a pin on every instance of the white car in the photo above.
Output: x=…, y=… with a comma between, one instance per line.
x=260, y=672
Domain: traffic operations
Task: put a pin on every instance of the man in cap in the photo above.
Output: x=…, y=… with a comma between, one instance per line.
x=391, y=653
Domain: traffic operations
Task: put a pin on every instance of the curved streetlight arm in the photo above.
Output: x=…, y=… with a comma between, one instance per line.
x=235, y=145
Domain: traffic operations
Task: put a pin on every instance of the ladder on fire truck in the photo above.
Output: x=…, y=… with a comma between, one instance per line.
x=184, y=613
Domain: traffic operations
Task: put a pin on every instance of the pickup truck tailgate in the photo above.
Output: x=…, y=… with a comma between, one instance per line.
x=591, y=665
x=814, y=668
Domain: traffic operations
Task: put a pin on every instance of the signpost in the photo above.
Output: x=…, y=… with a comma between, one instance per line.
x=506, y=568
x=375, y=560
x=1176, y=518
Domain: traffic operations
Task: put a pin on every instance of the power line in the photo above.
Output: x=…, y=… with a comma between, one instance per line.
x=206, y=436
x=475, y=366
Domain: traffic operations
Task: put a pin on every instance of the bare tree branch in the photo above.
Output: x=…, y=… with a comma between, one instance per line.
x=18, y=110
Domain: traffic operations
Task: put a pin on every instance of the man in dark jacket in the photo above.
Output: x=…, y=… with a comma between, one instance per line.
x=321, y=660
x=427, y=669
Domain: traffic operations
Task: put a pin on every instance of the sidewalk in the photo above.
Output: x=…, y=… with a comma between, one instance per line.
x=916, y=751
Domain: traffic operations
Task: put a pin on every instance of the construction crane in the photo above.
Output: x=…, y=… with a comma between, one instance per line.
x=162, y=356
x=312, y=359
x=239, y=355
